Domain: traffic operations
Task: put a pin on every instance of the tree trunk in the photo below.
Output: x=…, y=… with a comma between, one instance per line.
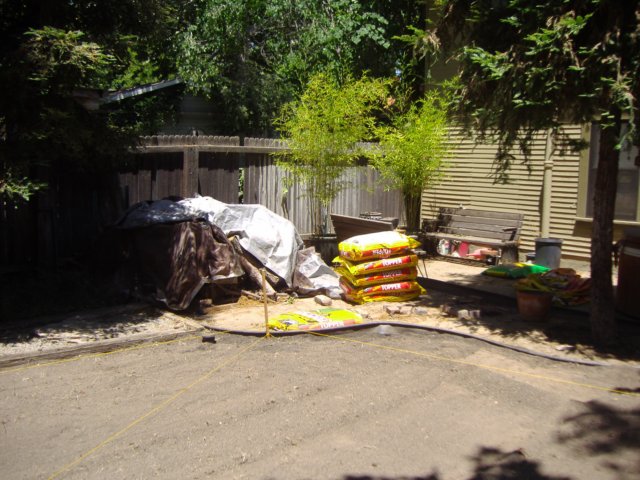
x=412, y=212
x=603, y=320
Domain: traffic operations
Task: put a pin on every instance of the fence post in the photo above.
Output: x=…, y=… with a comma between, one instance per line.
x=190, y=171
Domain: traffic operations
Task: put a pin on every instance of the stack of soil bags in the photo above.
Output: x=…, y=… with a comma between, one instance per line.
x=378, y=267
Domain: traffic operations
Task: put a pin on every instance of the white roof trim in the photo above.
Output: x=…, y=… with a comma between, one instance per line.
x=135, y=91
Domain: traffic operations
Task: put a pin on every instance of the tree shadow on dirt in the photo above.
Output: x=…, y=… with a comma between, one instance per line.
x=489, y=464
x=93, y=324
x=613, y=434
x=499, y=315
x=31, y=294
x=432, y=476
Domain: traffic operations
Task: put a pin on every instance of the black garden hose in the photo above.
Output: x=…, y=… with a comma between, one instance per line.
x=360, y=326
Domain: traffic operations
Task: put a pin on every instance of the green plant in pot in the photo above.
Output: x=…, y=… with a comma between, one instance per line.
x=413, y=150
x=325, y=130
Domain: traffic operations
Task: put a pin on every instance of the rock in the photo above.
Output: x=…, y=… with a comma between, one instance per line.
x=335, y=293
x=323, y=300
x=468, y=314
x=565, y=348
x=448, y=310
x=392, y=309
x=396, y=310
x=419, y=311
x=385, y=330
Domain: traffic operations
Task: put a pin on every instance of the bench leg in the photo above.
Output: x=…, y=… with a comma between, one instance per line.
x=422, y=262
x=509, y=254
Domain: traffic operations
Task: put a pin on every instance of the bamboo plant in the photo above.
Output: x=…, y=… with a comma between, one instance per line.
x=413, y=151
x=324, y=130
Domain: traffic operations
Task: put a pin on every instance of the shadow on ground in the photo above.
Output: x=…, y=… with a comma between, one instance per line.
x=29, y=294
x=612, y=433
x=499, y=315
x=489, y=464
x=108, y=323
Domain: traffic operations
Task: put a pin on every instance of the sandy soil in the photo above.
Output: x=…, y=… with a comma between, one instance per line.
x=491, y=317
x=564, y=334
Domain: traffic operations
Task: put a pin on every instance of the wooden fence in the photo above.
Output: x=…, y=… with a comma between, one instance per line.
x=70, y=215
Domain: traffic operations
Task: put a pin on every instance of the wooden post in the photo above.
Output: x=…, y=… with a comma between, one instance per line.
x=264, y=299
x=190, y=172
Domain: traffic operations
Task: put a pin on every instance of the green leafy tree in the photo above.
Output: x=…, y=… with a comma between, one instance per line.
x=41, y=115
x=413, y=150
x=325, y=129
x=48, y=50
x=253, y=56
x=527, y=66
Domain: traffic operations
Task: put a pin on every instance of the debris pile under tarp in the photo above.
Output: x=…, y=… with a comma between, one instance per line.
x=271, y=239
x=179, y=246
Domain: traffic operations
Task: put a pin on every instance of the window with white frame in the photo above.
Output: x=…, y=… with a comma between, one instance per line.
x=628, y=198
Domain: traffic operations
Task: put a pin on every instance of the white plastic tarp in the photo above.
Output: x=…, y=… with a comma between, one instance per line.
x=270, y=238
x=313, y=275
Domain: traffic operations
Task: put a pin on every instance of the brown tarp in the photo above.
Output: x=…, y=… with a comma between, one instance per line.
x=179, y=258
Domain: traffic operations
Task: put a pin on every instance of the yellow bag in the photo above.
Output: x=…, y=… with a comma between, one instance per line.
x=390, y=276
x=376, y=245
x=315, y=320
x=376, y=266
x=387, y=292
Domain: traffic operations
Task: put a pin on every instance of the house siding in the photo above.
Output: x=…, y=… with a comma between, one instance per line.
x=469, y=182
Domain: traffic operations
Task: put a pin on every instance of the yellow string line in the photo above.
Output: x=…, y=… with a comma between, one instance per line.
x=487, y=367
x=154, y=410
x=101, y=354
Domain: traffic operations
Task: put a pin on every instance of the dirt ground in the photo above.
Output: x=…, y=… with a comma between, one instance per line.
x=458, y=299
x=135, y=392
x=403, y=405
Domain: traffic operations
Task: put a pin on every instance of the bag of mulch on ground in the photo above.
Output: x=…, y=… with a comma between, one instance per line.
x=386, y=292
x=376, y=245
x=315, y=320
x=376, y=266
x=514, y=270
x=376, y=278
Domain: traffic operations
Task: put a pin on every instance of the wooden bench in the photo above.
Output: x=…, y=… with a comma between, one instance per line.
x=482, y=228
x=347, y=227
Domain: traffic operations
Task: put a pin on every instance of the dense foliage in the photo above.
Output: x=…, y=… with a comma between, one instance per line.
x=249, y=56
x=526, y=66
x=49, y=51
x=253, y=56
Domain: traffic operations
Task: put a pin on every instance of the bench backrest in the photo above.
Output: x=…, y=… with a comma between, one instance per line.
x=504, y=226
